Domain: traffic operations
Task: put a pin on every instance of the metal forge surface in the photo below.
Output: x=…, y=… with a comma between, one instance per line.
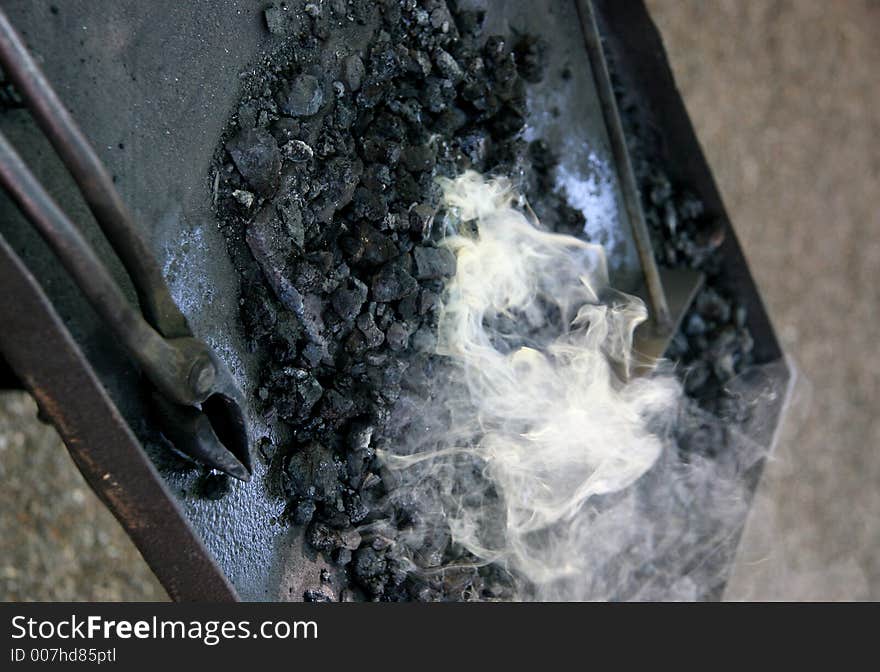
x=153, y=86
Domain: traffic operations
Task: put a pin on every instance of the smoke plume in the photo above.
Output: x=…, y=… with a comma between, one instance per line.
x=534, y=449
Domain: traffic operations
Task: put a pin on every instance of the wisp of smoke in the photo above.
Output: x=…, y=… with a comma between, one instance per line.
x=541, y=424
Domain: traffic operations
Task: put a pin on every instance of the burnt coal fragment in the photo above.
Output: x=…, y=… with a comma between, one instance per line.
x=369, y=204
x=325, y=538
x=397, y=336
x=317, y=595
x=294, y=393
x=531, y=60
x=343, y=175
x=304, y=511
x=377, y=247
x=424, y=340
x=291, y=216
x=215, y=486
x=507, y=123
x=336, y=406
x=297, y=151
x=348, y=299
x=421, y=216
x=433, y=263
x=428, y=301
x=438, y=94
x=450, y=121
x=303, y=97
x=447, y=65
x=373, y=336
x=256, y=156
x=369, y=570
x=360, y=453
x=273, y=241
x=392, y=283
x=355, y=508
x=314, y=472
x=353, y=72
x=418, y=158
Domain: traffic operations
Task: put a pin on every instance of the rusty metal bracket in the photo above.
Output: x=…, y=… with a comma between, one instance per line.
x=39, y=349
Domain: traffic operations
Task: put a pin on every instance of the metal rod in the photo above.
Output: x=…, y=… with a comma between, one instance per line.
x=179, y=372
x=629, y=187
x=94, y=182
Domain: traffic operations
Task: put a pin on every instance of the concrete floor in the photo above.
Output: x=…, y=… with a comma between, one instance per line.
x=784, y=96
x=57, y=541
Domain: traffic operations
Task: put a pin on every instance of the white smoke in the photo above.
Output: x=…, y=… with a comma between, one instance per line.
x=532, y=448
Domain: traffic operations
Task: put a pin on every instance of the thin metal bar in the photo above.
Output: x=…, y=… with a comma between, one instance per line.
x=45, y=358
x=629, y=187
x=94, y=182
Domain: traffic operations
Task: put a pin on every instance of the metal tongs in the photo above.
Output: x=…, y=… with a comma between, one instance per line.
x=200, y=407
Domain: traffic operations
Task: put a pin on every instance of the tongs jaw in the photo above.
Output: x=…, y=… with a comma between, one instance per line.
x=219, y=420
x=200, y=407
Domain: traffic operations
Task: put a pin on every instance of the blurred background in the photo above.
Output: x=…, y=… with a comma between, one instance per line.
x=785, y=98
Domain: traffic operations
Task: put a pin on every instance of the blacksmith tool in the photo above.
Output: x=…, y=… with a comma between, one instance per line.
x=200, y=407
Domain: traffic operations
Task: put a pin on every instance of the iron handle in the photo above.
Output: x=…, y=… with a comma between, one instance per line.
x=94, y=182
x=181, y=368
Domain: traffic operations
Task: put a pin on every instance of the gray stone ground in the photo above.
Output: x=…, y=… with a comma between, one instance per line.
x=57, y=541
x=784, y=97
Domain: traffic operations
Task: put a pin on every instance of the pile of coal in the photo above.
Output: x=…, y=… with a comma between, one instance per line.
x=325, y=187
x=327, y=195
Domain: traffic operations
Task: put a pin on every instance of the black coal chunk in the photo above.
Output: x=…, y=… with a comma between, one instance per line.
x=347, y=300
x=392, y=283
x=353, y=72
x=316, y=595
x=369, y=569
x=369, y=204
x=273, y=241
x=433, y=263
x=303, y=97
x=397, y=336
x=447, y=65
x=314, y=473
x=256, y=156
x=294, y=393
x=215, y=486
x=304, y=511
x=418, y=158
x=377, y=247
x=323, y=537
x=372, y=334
x=337, y=406
x=530, y=58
